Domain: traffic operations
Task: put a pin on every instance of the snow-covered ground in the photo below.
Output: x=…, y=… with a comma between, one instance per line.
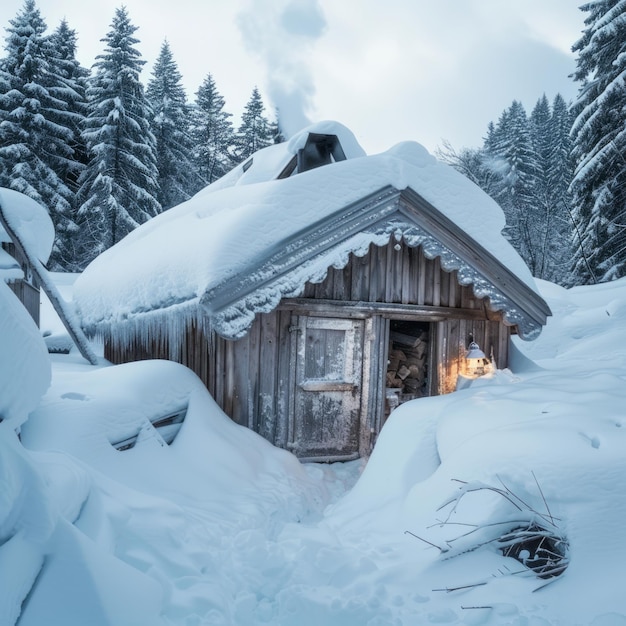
x=221, y=528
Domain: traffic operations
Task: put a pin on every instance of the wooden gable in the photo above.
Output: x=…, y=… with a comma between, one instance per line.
x=232, y=304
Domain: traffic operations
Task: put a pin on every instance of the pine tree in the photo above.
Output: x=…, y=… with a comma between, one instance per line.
x=494, y=150
x=561, y=166
x=71, y=88
x=212, y=133
x=72, y=83
x=543, y=207
x=254, y=132
x=119, y=186
x=599, y=131
x=36, y=125
x=178, y=179
x=560, y=176
x=551, y=208
x=525, y=165
x=512, y=148
x=540, y=132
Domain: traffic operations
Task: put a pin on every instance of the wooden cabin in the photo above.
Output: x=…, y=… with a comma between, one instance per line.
x=315, y=336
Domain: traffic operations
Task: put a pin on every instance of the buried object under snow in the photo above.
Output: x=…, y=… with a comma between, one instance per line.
x=516, y=527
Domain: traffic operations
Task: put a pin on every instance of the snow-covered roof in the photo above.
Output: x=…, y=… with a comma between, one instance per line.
x=30, y=220
x=243, y=243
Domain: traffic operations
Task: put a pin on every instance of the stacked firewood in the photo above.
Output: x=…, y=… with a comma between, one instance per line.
x=406, y=369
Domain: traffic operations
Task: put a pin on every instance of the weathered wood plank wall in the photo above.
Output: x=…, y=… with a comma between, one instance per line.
x=402, y=276
x=249, y=377
x=27, y=288
x=28, y=295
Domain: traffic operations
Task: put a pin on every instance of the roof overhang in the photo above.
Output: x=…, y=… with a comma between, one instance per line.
x=404, y=214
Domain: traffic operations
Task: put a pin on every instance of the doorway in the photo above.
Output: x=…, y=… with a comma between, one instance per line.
x=408, y=362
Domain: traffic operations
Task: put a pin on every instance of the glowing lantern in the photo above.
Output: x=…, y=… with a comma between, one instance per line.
x=476, y=363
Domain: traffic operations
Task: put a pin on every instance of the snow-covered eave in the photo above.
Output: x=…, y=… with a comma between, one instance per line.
x=163, y=327
x=306, y=256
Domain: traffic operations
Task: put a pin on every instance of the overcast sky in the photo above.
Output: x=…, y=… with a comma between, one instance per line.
x=390, y=70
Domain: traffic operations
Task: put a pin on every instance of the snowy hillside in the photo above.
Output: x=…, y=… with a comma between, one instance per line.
x=221, y=528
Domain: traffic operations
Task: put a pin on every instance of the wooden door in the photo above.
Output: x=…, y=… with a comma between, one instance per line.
x=325, y=407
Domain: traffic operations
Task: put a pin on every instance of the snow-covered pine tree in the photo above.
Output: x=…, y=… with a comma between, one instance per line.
x=543, y=204
x=560, y=174
x=119, y=188
x=540, y=127
x=36, y=125
x=72, y=77
x=254, y=132
x=599, y=135
x=71, y=88
x=552, y=229
x=212, y=133
x=512, y=148
x=561, y=165
x=178, y=178
x=529, y=180
x=493, y=153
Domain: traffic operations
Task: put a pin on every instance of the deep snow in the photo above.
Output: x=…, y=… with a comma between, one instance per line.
x=222, y=528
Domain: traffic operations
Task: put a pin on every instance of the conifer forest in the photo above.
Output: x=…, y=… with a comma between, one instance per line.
x=105, y=153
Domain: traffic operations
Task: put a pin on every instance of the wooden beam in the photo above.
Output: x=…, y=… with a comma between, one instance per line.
x=335, y=308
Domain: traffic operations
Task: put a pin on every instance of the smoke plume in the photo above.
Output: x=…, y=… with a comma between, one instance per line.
x=282, y=33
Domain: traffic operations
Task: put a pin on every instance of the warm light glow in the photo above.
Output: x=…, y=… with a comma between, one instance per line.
x=476, y=363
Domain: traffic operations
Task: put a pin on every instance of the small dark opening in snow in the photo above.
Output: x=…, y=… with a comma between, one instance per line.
x=539, y=549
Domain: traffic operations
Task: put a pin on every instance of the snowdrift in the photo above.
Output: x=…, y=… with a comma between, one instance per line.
x=220, y=528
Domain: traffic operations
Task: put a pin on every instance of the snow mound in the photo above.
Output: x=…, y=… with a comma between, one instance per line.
x=25, y=370
x=162, y=519
x=551, y=436
x=29, y=220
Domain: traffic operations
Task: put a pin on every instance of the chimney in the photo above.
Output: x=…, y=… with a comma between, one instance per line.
x=319, y=150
